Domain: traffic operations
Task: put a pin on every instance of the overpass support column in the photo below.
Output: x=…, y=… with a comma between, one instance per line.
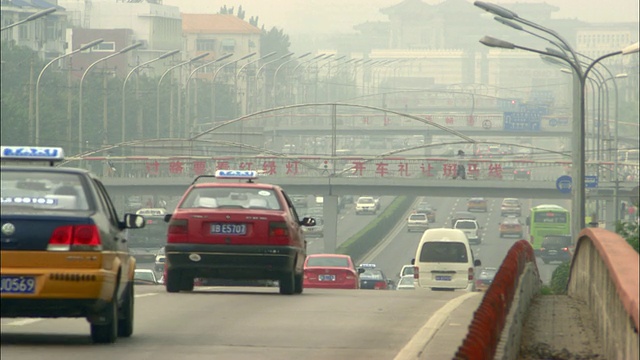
x=330, y=213
x=610, y=215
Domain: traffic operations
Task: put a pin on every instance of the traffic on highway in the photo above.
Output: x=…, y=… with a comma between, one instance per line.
x=371, y=309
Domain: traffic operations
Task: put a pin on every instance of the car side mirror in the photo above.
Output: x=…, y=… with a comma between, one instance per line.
x=360, y=270
x=167, y=218
x=307, y=221
x=477, y=263
x=134, y=221
x=413, y=261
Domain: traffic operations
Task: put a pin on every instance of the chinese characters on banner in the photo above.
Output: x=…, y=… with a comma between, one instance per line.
x=290, y=167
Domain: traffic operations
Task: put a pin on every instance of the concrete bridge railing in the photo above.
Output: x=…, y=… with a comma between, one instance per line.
x=604, y=274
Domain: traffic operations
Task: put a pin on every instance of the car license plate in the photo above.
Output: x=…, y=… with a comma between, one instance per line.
x=553, y=252
x=18, y=284
x=229, y=229
x=443, y=278
x=327, y=278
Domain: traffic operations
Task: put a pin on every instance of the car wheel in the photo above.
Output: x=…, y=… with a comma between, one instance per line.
x=107, y=332
x=173, y=281
x=287, y=285
x=125, y=323
x=298, y=284
x=186, y=283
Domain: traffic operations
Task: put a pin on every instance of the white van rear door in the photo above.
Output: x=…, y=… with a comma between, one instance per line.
x=443, y=265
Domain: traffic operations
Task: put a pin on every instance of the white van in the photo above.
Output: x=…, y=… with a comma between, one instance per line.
x=444, y=261
x=470, y=228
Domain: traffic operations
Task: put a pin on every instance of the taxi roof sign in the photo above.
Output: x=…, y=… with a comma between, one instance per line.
x=367, y=266
x=236, y=174
x=32, y=153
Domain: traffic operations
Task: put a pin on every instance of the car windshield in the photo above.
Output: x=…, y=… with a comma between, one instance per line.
x=231, y=197
x=330, y=261
x=39, y=191
x=441, y=251
x=144, y=275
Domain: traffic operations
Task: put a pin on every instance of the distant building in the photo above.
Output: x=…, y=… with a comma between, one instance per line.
x=45, y=35
x=157, y=26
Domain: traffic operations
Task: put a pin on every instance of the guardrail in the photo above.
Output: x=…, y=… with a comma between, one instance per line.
x=359, y=167
x=504, y=304
x=604, y=274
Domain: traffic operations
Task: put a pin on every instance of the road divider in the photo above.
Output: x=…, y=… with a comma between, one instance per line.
x=366, y=239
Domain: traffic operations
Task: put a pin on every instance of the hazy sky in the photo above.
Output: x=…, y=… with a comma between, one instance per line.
x=331, y=16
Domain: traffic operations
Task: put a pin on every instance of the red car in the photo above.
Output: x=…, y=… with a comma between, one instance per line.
x=330, y=271
x=235, y=231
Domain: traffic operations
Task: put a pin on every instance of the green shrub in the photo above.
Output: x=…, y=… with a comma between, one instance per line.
x=560, y=278
x=629, y=231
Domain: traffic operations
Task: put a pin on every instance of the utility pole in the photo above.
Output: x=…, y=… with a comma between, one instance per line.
x=31, y=115
x=69, y=103
x=104, y=107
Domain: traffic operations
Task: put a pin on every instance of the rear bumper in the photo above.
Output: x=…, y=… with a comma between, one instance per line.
x=412, y=227
x=328, y=285
x=366, y=210
x=232, y=262
x=50, y=308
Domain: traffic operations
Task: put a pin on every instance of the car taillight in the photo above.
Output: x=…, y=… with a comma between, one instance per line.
x=528, y=172
x=470, y=276
x=565, y=249
x=542, y=249
x=177, y=230
x=380, y=285
x=416, y=272
x=515, y=172
x=178, y=226
x=278, y=233
x=75, y=237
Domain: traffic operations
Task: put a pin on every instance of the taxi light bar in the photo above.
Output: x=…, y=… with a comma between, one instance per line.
x=236, y=174
x=367, y=266
x=31, y=153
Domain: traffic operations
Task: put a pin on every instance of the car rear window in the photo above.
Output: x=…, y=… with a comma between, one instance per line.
x=366, y=201
x=327, y=261
x=450, y=252
x=510, y=203
x=231, y=197
x=39, y=191
x=466, y=225
x=407, y=271
x=406, y=281
x=419, y=217
x=556, y=242
x=372, y=275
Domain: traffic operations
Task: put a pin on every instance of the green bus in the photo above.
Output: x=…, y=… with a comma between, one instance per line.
x=547, y=220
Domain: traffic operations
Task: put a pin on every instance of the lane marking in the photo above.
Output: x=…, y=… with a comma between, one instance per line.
x=143, y=295
x=419, y=341
x=23, y=322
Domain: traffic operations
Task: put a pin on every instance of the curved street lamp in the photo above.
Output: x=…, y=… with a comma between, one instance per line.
x=82, y=48
x=247, y=78
x=124, y=84
x=578, y=141
x=80, y=119
x=275, y=75
x=213, y=83
x=193, y=59
x=31, y=17
x=187, y=119
x=263, y=101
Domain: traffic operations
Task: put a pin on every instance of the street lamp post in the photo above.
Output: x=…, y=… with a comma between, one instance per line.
x=246, y=107
x=275, y=76
x=578, y=144
x=32, y=17
x=616, y=198
x=187, y=119
x=84, y=75
x=578, y=190
x=263, y=101
x=193, y=59
x=213, y=83
x=82, y=48
x=124, y=85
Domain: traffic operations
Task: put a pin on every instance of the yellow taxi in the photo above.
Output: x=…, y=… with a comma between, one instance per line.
x=63, y=251
x=477, y=204
x=510, y=226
